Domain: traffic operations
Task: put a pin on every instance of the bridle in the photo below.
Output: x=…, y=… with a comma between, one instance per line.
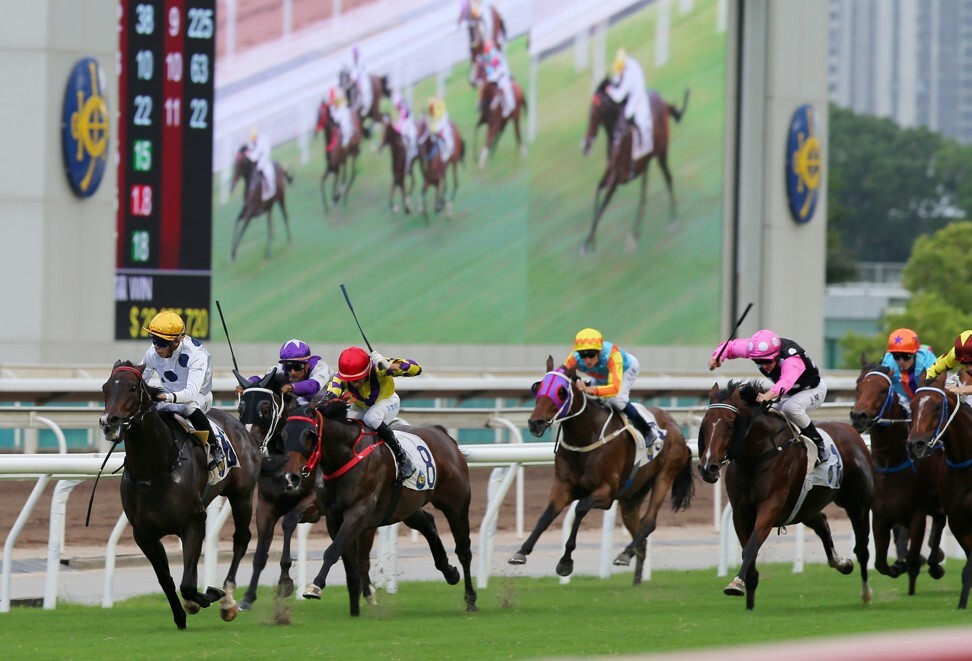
x=548, y=388
x=144, y=400
x=888, y=400
x=944, y=419
x=276, y=413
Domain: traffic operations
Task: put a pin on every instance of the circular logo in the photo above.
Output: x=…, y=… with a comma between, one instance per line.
x=84, y=127
x=804, y=164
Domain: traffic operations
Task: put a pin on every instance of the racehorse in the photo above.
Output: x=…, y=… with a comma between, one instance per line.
x=765, y=480
x=355, y=490
x=904, y=492
x=339, y=162
x=253, y=203
x=262, y=411
x=434, y=171
x=477, y=41
x=595, y=465
x=164, y=487
x=396, y=145
x=379, y=88
x=621, y=167
x=940, y=417
x=491, y=114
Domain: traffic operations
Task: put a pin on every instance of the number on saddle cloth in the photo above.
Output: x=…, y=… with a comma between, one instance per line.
x=425, y=476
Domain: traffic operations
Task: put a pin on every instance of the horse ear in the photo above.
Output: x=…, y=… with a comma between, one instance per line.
x=714, y=391
x=140, y=368
x=863, y=359
x=550, y=363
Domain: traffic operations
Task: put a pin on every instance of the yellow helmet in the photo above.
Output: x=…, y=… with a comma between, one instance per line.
x=619, y=61
x=587, y=339
x=437, y=107
x=253, y=133
x=167, y=325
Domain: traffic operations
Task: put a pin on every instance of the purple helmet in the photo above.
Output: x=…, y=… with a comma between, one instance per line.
x=295, y=350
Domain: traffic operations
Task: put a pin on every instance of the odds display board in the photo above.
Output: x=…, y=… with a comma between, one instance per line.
x=166, y=60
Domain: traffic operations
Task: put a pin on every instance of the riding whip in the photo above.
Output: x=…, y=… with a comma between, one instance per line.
x=351, y=307
x=732, y=334
x=236, y=368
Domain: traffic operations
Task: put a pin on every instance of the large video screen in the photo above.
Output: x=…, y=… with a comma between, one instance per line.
x=507, y=260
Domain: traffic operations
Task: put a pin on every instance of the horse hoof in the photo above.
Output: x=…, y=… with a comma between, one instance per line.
x=937, y=557
x=517, y=559
x=451, y=575
x=371, y=599
x=229, y=614
x=736, y=588
x=246, y=605
x=285, y=588
x=623, y=560
x=936, y=571
x=214, y=594
x=191, y=607
x=565, y=568
x=312, y=592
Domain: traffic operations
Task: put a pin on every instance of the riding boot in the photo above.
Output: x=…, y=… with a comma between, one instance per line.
x=811, y=432
x=405, y=467
x=639, y=422
x=200, y=421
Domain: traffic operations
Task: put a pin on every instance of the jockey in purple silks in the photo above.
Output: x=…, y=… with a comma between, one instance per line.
x=307, y=374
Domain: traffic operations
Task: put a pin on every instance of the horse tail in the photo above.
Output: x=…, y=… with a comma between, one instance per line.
x=677, y=113
x=385, y=90
x=683, y=488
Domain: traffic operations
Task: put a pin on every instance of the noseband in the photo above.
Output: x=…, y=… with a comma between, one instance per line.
x=276, y=413
x=888, y=400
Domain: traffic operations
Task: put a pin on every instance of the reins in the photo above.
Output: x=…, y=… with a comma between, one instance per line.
x=315, y=457
x=936, y=440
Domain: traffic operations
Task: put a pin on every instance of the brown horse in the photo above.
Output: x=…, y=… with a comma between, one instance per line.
x=434, y=171
x=491, y=114
x=355, y=490
x=595, y=465
x=477, y=41
x=253, y=203
x=164, y=488
x=372, y=114
x=400, y=169
x=621, y=167
x=339, y=162
x=904, y=492
x=939, y=417
x=765, y=480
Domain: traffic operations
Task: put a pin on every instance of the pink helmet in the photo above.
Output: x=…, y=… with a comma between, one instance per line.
x=764, y=344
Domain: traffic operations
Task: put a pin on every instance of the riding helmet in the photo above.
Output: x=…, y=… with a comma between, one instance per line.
x=167, y=325
x=353, y=364
x=764, y=344
x=903, y=340
x=619, y=61
x=294, y=351
x=963, y=347
x=588, y=339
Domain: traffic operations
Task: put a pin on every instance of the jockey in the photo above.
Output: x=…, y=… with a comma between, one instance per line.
x=340, y=115
x=629, y=86
x=185, y=369
x=960, y=355
x=258, y=151
x=306, y=374
x=907, y=359
x=441, y=127
x=405, y=126
x=367, y=384
x=612, y=371
x=360, y=77
x=798, y=384
x=498, y=72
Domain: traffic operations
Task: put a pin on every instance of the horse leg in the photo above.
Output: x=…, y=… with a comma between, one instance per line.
x=266, y=521
x=630, y=516
x=365, y=543
x=818, y=523
x=610, y=184
x=659, y=490
x=747, y=580
x=600, y=499
x=936, y=555
x=635, y=235
x=240, y=228
x=283, y=210
x=559, y=498
x=424, y=522
x=192, y=540
x=916, y=536
x=353, y=579
x=342, y=533
x=859, y=516
x=663, y=164
x=242, y=509
x=391, y=196
x=266, y=253
x=354, y=173
x=516, y=129
x=155, y=552
x=455, y=188
x=487, y=146
x=456, y=512
x=881, y=528
x=323, y=187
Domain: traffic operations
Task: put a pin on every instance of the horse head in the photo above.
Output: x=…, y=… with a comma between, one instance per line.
x=875, y=395
x=127, y=398
x=242, y=167
x=725, y=425
x=554, y=396
x=932, y=409
x=261, y=408
x=603, y=112
x=301, y=437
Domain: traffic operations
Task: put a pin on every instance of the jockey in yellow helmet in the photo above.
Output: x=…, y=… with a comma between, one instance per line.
x=629, y=87
x=441, y=127
x=340, y=115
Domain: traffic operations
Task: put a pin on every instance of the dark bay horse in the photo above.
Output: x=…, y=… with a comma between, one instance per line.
x=164, y=487
x=621, y=167
x=940, y=417
x=355, y=490
x=595, y=465
x=254, y=205
x=491, y=114
x=477, y=41
x=263, y=410
x=339, y=162
x=372, y=114
x=905, y=492
x=435, y=172
x=765, y=479
x=400, y=171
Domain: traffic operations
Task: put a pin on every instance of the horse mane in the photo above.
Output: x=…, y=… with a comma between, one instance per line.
x=603, y=85
x=748, y=390
x=333, y=408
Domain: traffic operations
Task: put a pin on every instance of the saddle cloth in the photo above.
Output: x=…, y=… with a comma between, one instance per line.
x=644, y=453
x=423, y=479
x=830, y=472
x=229, y=452
x=641, y=141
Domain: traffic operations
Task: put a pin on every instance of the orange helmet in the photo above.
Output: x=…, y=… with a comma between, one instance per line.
x=353, y=364
x=963, y=347
x=903, y=340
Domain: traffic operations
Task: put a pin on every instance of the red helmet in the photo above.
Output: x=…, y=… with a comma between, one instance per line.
x=353, y=364
x=963, y=347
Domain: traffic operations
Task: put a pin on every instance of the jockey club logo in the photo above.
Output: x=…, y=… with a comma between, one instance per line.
x=84, y=127
x=804, y=162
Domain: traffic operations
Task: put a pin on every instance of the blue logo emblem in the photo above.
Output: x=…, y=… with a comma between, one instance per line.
x=84, y=127
x=804, y=164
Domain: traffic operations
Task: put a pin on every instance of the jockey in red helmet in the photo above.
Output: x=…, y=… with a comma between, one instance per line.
x=367, y=383
x=798, y=384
